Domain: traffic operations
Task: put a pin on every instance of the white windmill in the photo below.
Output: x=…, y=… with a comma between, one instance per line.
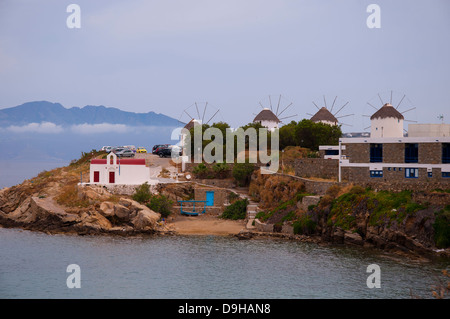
x=326, y=116
x=388, y=120
x=270, y=117
x=203, y=110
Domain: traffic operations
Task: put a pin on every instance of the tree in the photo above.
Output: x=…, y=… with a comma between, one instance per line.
x=142, y=193
x=161, y=204
x=237, y=210
x=309, y=134
x=242, y=172
x=287, y=135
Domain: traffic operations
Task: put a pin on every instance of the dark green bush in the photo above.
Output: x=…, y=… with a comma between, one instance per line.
x=160, y=204
x=237, y=210
x=304, y=225
x=242, y=172
x=142, y=193
x=200, y=170
x=442, y=229
x=221, y=170
x=357, y=190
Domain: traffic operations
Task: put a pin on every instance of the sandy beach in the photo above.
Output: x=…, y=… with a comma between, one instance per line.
x=205, y=225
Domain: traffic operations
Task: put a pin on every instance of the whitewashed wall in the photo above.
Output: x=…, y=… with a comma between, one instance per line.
x=387, y=127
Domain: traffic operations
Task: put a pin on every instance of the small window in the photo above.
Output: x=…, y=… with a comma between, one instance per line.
x=331, y=152
x=430, y=174
x=376, y=173
x=445, y=174
x=411, y=172
x=389, y=168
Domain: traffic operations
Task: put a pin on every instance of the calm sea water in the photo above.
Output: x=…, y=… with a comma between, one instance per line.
x=33, y=265
x=15, y=172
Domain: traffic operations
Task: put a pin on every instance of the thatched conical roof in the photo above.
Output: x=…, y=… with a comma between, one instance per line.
x=387, y=111
x=266, y=115
x=191, y=124
x=324, y=115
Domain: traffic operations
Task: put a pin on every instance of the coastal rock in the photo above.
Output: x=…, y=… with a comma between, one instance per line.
x=243, y=235
x=20, y=213
x=107, y=209
x=95, y=220
x=122, y=212
x=127, y=202
x=146, y=219
x=338, y=235
x=353, y=238
x=93, y=194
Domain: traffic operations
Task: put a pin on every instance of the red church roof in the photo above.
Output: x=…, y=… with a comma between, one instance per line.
x=123, y=161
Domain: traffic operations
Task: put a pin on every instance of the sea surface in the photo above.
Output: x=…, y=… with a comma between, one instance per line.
x=34, y=265
x=15, y=172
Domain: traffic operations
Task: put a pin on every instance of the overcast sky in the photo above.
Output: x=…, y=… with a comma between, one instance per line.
x=163, y=56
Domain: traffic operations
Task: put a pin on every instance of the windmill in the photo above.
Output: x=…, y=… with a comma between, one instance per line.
x=203, y=113
x=390, y=109
x=325, y=115
x=273, y=112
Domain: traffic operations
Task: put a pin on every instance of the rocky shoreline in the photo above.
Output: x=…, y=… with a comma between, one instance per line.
x=54, y=203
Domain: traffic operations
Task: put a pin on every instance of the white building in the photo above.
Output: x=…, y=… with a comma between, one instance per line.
x=267, y=119
x=386, y=122
x=330, y=151
x=119, y=171
x=429, y=130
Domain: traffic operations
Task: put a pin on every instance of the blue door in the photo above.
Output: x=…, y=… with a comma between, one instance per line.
x=210, y=198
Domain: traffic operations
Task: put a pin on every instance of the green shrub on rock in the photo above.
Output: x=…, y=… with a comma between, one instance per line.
x=142, y=193
x=304, y=225
x=442, y=228
x=160, y=204
x=237, y=210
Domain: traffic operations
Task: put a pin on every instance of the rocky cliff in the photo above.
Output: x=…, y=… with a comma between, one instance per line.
x=53, y=202
x=416, y=223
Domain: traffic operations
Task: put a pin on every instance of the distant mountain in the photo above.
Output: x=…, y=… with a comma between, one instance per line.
x=67, y=137
x=43, y=111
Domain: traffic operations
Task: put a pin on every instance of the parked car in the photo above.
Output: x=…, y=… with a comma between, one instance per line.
x=115, y=150
x=141, y=150
x=125, y=153
x=131, y=147
x=107, y=149
x=167, y=151
x=158, y=147
x=164, y=152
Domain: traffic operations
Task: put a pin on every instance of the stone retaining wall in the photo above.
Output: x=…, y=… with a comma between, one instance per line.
x=269, y=228
x=314, y=167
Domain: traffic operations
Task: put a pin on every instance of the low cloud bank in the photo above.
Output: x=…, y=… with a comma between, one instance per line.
x=44, y=127
x=52, y=128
